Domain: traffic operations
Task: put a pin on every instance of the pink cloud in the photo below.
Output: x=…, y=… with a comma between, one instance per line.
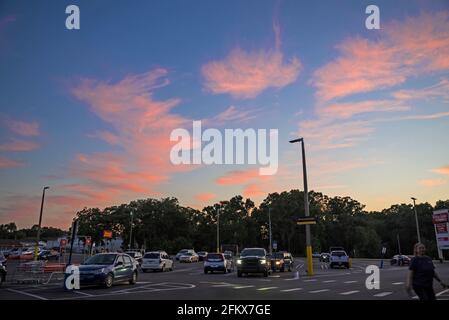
x=349, y=109
x=22, y=128
x=233, y=114
x=405, y=48
x=441, y=170
x=432, y=182
x=253, y=191
x=16, y=145
x=204, y=197
x=439, y=90
x=237, y=177
x=107, y=136
x=9, y=163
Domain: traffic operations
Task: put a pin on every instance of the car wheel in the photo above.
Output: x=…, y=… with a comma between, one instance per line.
x=239, y=274
x=133, y=279
x=109, y=281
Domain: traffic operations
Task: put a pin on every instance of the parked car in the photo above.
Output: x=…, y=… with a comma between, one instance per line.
x=2, y=258
x=108, y=268
x=189, y=257
x=6, y=253
x=202, y=255
x=324, y=257
x=253, y=260
x=2, y=273
x=217, y=262
x=183, y=251
x=136, y=255
x=157, y=260
x=229, y=255
x=281, y=261
x=48, y=255
x=400, y=260
x=339, y=258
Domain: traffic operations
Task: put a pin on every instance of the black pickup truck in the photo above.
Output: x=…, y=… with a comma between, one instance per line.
x=253, y=260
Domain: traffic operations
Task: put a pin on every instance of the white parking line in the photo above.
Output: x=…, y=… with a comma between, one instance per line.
x=222, y=285
x=397, y=283
x=82, y=293
x=28, y=294
x=266, y=288
x=349, y=292
x=293, y=289
x=296, y=277
x=383, y=294
x=318, y=291
x=442, y=292
x=275, y=276
x=243, y=287
x=310, y=280
x=329, y=281
x=351, y=281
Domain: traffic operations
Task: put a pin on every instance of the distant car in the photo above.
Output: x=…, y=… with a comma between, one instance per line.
x=157, y=260
x=183, y=251
x=6, y=253
x=202, y=255
x=2, y=258
x=316, y=255
x=253, y=260
x=324, y=257
x=2, y=273
x=339, y=258
x=108, y=268
x=400, y=260
x=217, y=262
x=189, y=257
x=136, y=255
x=281, y=261
x=48, y=255
x=229, y=255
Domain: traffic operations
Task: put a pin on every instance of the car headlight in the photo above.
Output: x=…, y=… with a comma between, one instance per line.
x=239, y=261
x=98, y=271
x=278, y=262
x=263, y=261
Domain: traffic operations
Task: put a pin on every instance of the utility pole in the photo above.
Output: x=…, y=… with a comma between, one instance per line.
x=218, y=230
x=36, y=248
x=131, y=232
x=399, y=243
x=416, y=219
x=269, y=226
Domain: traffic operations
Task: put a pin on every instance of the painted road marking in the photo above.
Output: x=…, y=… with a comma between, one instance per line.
x=266, y=288
x=82, y=293
x=242, y=287
x=289, y=290
x=222, y=285
x=28, y=294
x=349, y=292
x=318, y=291
x=442, y=292
x=397, y=283
x=383, y=294
x=275, y=276
x=310, y=280
x=329, y=281
x=351, y=281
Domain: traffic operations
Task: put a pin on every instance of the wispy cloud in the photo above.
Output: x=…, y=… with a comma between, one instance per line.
x=9, y=163
x=430, y=183
x=234, y=115
x=438, y=90
x=204, y=197
x=441, y=170
x=23, y=128
x=16, y=145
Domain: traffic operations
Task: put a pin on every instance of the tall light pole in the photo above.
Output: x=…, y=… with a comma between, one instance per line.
x=131, y=232
x=269, y=226
x=218, y=230
x=416, y=219
x=306, y=208
x=40, y=223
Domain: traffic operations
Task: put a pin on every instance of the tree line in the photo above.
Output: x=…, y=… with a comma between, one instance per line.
x=341, y=221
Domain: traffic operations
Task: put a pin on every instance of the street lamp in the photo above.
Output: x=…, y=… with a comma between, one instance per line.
x=269, y=225
x=416, y=219
x=131, y=232
x=40, y=222
x=306, y=208
x=218, y=230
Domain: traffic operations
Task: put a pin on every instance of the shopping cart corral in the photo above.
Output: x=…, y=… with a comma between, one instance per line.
x=35, y=272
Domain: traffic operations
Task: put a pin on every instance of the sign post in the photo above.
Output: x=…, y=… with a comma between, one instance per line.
x=275, y=245
x=441, y=225
x=72, y=239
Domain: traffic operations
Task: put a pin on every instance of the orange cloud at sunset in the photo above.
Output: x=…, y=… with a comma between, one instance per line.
x=432, y=182
x=9, y=163
x=205, y=196
x=441, y=170
x=16, y=145
x=22, y=128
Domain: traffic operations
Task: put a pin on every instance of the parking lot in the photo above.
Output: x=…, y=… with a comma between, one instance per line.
x=188, y=281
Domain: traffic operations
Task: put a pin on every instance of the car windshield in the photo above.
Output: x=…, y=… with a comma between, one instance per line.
x=153, y=255
x=214, y=256
x=187, y=254
x=253, y=252
x=101, y=259
x=338, y=253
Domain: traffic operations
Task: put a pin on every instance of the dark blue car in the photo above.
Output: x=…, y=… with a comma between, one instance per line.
x=108, y=268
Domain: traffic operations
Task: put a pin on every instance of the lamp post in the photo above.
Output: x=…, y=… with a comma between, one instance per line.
x=131, y=232
x=40, y=223
x=269, y=226
x=416, y=219
x=306, y=208
x=218, y=230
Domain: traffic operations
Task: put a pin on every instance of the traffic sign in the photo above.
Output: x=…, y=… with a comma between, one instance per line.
x=62, y=243
x=307, y=220
x=107, y=234
x=88, y=241
x=275, y=245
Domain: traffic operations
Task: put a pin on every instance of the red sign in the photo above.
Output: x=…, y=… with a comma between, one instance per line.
x=88, y=241
x=440, y=217
x=62, y=243
x=441, y=228
x=107, y=234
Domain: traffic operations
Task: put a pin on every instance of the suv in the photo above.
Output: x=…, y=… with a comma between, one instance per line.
x=281, y=261
x=156, y=260
x=217, y=262
x=253, y=260
x=339, y=258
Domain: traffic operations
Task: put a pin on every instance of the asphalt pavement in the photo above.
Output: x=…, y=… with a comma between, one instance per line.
x=188, y=282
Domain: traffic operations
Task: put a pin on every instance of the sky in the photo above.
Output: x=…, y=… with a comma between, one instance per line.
x=89, y=112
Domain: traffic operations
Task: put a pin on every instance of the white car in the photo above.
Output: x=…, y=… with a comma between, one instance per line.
x=182, y=252
x=156, y=260
x=339, y=258
x=217, y=262
x=189, y=257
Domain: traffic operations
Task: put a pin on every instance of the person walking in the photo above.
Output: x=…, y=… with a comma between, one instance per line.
x=421, y=275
